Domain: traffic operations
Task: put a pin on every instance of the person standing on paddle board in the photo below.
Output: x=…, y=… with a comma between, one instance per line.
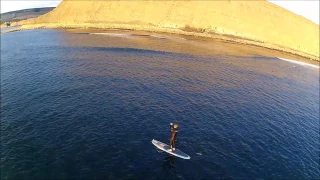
x=174, y=131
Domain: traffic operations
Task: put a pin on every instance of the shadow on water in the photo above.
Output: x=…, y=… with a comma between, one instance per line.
x=169, y=166
x=168, y=162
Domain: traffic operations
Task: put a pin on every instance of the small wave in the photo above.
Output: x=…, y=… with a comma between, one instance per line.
x=200, y=154
x=159, y=37
x=166, y=37
x=112, y=34
x=132, y=35
x=298, y=62
x=181, y=38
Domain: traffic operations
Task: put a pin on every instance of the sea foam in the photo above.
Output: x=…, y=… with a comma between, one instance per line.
x=298, y=62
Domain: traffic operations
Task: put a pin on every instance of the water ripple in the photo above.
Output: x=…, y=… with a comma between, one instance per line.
x=75, y=106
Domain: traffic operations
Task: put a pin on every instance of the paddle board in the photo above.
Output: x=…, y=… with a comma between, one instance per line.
x=165, y=147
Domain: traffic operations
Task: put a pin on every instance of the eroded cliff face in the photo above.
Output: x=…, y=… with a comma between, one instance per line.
x=261, y=21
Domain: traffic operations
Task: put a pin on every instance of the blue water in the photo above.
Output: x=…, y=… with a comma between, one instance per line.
x=81, y=106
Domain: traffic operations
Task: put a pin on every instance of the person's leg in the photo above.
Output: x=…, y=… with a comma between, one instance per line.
x=171, y=142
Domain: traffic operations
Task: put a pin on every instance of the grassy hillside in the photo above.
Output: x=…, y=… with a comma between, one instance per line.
x=14, y=16
x=261, y=22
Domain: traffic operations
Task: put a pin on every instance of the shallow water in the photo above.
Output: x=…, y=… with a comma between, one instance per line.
x=87, y=106
x=9, y=28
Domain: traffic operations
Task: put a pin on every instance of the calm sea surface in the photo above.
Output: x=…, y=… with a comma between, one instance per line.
x=86, y=106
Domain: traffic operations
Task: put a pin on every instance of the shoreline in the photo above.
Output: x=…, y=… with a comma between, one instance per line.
x=299, y=62
x=155, y=29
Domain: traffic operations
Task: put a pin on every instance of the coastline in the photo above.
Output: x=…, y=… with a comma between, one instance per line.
x=155, y=29
x=299, y=62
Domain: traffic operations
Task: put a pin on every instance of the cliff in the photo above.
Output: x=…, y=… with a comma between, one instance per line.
x=14, y=16
x=261, y=22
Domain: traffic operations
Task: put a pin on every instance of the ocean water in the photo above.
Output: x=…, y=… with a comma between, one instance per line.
x=86, y=106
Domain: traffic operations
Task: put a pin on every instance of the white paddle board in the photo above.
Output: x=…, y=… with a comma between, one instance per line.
x=165, y=147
